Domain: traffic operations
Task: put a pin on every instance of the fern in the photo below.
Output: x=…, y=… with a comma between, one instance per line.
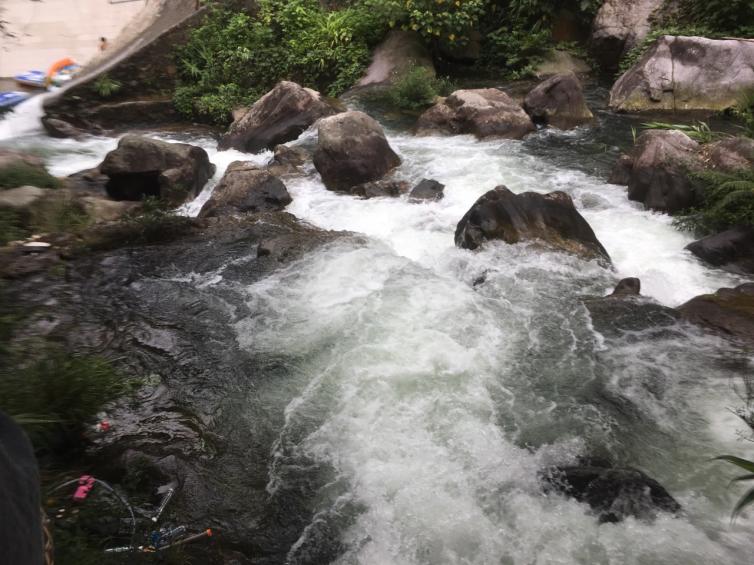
x=727, y=201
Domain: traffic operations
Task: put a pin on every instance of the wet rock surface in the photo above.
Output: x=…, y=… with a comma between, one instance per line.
x=732, y=250
x=245, y=188
x=485, y=112
x=558, y=102
x=351, y=150
x=613, y=493
x=427, y=190
x=208, y=411
x=141, y=167
x=380, y=188
x=729, y=312
x=551, y=218
x=279, y=116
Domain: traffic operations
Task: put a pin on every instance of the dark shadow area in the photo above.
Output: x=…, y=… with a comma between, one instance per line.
x=134, y=186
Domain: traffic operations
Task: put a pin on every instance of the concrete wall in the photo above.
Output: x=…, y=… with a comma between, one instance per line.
x=49, y=30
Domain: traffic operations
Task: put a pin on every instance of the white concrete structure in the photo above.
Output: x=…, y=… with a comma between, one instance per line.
x=48, y=30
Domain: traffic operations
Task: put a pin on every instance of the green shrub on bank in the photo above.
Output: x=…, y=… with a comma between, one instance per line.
x=727, y=201
x=415, y=90
x=23, y=174
x=11, y=226
x=57, y=394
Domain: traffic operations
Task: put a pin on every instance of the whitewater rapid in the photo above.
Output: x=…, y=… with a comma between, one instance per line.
x=434, y=384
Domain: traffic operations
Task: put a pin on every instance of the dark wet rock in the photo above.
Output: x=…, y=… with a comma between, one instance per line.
x=613, y=493
x=660, y=172
x=619, y=26
x=732, y=250
x=729, y=312
x=60, y=129
x=142, y=167
x=558, y=102
x=730, y=154
x=400, y=52
x=621, y=173
x=380, y=188
x=281, y=115
x=427, y=189
x=245, y=188
x=485, y=112
x=687, y=73
x=21, y=537
x=626, y=310
x=551, y=218
x=352, y=149
x=627, y=287
x=288, y=160
x=90, y=181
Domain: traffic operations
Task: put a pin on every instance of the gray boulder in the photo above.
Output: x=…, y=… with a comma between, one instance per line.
x=659, y=174
x=400, y=52
x=140, y=167
x=351, y=150
x=732, y=250
x=485, y=112
x=730, y=154
x=558, y=102
x=551, y=218
x=246, y=188
x=288, y=160
x=619, y=26
x=621, y=172
x=687, y=73
x=427, y=189
x=281, y=115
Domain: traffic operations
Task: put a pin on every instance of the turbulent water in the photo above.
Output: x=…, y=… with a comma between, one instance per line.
x=433, y=384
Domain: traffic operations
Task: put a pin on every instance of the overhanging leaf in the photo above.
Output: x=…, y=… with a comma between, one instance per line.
x=737, y=461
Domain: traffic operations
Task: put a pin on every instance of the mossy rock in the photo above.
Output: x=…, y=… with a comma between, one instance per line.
x=19, y=169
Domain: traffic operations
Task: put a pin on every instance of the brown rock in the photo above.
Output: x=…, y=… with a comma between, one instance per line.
x=729, y=311
x=558, y=102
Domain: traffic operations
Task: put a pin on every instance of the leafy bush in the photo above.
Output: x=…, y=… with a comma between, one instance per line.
x=744, y=111
x=105, y=86
x=732, y=17
x=23, y=174
x=516, y=50
x=727, y=201
x=55, y=395
x=416, y=90
x=11, y=226
x=58, y=214
x=234, y=57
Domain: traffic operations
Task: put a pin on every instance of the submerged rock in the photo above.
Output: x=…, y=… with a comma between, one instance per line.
x=732, y=250
x=245, y=188
x=551, y=218
x=630, y=286
x=485, y=112
x=351, y=150
x=618, y=27
x=614, y=493
x=287, y=160
x=729, y=311
x=687, y=73
x=427, y=189
x=281, y=115
x=380, y=188
x=141, y=167
x=558, y=102
x=659, y=173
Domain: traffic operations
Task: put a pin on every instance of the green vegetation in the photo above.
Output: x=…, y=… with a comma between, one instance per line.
x=106, y=87
x=55, y=213
x=748, y=466
x=11, y=226
x=416, y=90
x=744, y=111
x=699, y=131
x=727, y=201
x=20, y=173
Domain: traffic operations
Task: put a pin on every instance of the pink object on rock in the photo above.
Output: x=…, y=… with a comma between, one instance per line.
x=86, y=482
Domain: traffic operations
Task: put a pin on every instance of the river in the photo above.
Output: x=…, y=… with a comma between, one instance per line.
x=433, y=384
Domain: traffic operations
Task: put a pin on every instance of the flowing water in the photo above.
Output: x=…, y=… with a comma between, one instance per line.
x=428, y=386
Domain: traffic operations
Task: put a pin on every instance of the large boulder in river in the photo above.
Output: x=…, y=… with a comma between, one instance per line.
x=614, y=493
x=687, y=73
x=400, y=52
x=558, y=102
x=551, y=218
x=281, y=115
x=659, y=174
x=619, y=26
x=730, y=154
x=141, y=167
x=245, y=188
x=732, y=250
x=484, y=112
x=351, y=150
x=729, y=311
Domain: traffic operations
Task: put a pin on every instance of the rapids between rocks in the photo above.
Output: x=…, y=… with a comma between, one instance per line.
x=387, y=398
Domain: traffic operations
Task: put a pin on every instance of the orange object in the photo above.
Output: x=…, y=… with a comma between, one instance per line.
x=58, y=65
